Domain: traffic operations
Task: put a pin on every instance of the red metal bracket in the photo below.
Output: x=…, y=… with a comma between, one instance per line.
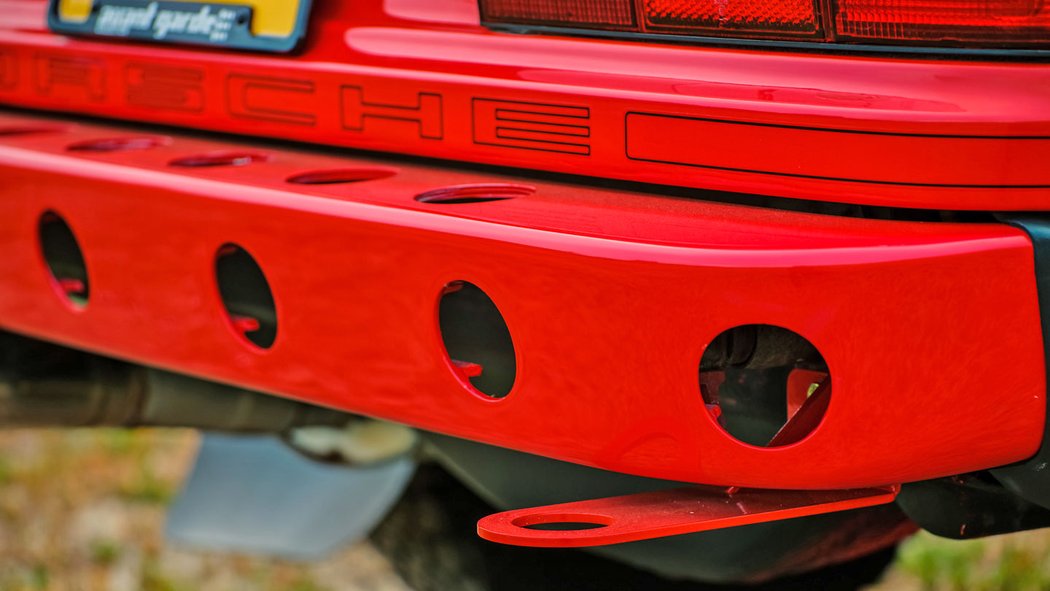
x=644, y=516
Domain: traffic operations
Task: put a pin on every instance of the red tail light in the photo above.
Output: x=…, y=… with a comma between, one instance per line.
x=605, y=14
x=718, y=17
x=945, y=21
x=965, y=23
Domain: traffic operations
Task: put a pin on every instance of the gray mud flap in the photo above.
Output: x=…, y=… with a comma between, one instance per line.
x=253, y=494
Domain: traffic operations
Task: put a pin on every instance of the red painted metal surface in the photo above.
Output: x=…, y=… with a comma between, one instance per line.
x=807, y=418
x=645, y=516
x=610, y=298
x=799, y=387
x=424, y=78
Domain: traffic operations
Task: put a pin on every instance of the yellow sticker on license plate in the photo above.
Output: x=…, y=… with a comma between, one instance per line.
x=266, y=25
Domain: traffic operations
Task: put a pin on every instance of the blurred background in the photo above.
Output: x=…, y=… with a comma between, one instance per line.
x=84, y=509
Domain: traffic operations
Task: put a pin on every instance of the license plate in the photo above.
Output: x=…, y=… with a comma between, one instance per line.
x=264, y=25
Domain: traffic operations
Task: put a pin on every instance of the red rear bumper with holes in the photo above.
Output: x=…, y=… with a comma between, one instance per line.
x=931, y=331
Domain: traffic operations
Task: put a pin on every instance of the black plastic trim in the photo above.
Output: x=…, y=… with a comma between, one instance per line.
x=969, y=506
x=1031, y=479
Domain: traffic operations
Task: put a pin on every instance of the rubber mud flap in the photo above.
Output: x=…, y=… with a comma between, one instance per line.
x=253, y=494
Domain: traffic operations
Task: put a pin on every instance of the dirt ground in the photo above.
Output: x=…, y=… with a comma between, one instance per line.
x=84, y=510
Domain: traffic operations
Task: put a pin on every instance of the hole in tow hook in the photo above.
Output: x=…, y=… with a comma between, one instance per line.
x=562, y=522
x=476, y=338
x=246, y=296
x=480, y=193
x=64, y=259
x=765, y=385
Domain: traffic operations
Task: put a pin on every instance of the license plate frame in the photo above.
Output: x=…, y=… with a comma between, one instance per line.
x=229, y=24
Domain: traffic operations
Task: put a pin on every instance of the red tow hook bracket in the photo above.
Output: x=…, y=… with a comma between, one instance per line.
x=645, y=516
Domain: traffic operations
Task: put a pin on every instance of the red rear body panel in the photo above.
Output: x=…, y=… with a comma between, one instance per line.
x=424, y=78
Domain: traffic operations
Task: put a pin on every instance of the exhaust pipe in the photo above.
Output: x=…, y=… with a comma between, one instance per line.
x=47, y=385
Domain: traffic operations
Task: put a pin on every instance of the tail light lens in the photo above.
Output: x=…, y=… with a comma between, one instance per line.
x=757, y=17
x=966, y=23
x=603, y=14
x=950, y=22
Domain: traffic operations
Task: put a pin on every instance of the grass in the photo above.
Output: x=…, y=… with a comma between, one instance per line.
x=83, y=510
x=145, y=487
x=1017, y=562
x=104, y=552
x=1014, y=562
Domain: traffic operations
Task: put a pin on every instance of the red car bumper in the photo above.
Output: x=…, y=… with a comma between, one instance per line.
x=930, y=331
